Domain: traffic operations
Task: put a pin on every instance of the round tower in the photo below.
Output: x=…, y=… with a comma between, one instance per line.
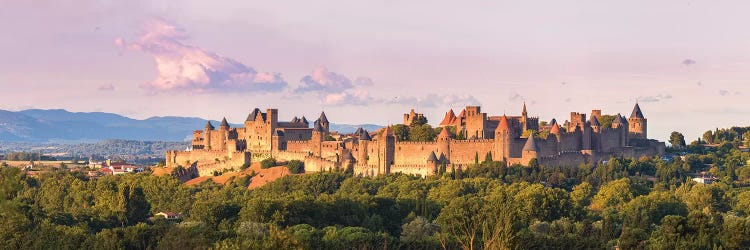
x=444, y=142
x=432, y=163
x=530, y=150
x=502, y=140
x=637, y=124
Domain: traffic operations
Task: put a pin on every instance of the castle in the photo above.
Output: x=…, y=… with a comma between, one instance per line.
x=514, y=139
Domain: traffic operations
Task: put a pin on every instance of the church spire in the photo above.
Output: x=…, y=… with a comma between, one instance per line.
x=524, y=113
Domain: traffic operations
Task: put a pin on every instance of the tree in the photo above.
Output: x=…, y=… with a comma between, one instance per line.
x=612, y=194
x=708, y=137
x=677, y=140
x=268, y=163
x=401, y=132
x=422, y=133
x=418, y=121
x=296, y=166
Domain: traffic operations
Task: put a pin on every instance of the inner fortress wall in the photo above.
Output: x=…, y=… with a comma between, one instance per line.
x=463, y=152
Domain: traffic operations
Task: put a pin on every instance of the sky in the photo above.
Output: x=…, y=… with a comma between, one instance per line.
x=687, y=63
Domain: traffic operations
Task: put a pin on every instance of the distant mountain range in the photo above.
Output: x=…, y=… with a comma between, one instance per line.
x=61, y=126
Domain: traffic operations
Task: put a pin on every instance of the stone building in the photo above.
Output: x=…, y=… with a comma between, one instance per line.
x=510, y=138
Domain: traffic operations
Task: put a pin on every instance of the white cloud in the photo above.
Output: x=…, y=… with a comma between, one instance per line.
x=350, y=97
x=322, y=80
x=106, y=87
x=184, y=67
x=654, y=98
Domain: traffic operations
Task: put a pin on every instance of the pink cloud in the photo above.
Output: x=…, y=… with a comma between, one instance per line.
x=184, y=67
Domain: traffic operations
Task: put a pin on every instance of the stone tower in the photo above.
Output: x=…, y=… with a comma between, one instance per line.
x=502, y=140
x=530, y=150
x=637, y=124
x=207, y=135
x=432, y=163
x=386, y=148
x=318, y=136
x=223, y=133
x=444, y=143
x=324, y=122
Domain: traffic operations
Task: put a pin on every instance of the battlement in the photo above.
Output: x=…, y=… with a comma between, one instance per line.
x=415, y=143
x=468, y=141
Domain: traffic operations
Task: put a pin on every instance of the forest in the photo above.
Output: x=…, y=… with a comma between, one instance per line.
x=647, y=203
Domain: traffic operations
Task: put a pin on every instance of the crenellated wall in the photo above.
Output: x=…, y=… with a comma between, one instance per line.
x=413, y=152
x=465, y=151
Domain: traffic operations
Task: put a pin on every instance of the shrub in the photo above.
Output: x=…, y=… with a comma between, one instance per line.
x=267, y=163
x=296, y=166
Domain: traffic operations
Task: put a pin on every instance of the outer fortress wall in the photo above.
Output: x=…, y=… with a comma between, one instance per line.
x=315, y=164
x=416, y=169
x=411, y=153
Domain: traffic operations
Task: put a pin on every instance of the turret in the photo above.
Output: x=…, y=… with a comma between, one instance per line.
x=318, y=136
x=386, y=148
x=207, y=135
x=324, y=122
x=224, y=124
x=503, y=137
x=595, y=125
x=432, y=162
x=348, y=161
x=530, y=149
x=444, y=142
x=637, y=124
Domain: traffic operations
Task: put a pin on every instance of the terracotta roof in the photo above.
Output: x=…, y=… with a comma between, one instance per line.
x=444, y=133
x=503, y=124
x=449, y=118
x=530, y=145
x=463, y=114
x=555, y=129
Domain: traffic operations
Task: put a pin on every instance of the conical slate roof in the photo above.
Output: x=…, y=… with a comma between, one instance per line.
x=318, y=127
x=295, y=120
x=224, y=122
x=209, y=126
x=432, y=157
x=617, y=120
x=323, y=118
x=553, y=121
x=594, y=122
x=530, y=145
x=365, y=136
x=358, y=131
x=637, y=112
x=252, y=115
x=304, y=120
